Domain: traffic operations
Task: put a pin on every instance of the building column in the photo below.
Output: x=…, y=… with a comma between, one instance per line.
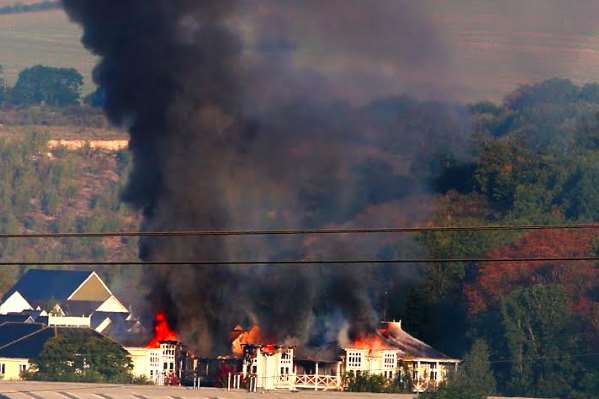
x=316, y=378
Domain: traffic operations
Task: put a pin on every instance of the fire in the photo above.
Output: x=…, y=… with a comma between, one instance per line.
x=162, y=331
x=251, y=336
x=370, y=342
x=381, y=339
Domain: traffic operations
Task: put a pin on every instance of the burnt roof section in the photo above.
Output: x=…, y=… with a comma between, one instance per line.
x=45, y=285
x=329, y=353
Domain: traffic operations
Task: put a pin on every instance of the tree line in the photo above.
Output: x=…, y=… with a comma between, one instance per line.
x=46, y=85
x=533, y=159
x=18, y=8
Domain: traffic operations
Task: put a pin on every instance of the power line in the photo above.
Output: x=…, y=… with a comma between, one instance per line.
x=331, y=231
x=303, y=261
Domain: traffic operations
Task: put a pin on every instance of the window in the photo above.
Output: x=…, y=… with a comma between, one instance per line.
x=172, y=366
x=354, y=359
x=434, y=371
x=389, y=361
x=2, y=368
x=22, y=368
x=165, y=366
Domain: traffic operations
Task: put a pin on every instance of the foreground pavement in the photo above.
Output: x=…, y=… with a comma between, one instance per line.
x=50, y=390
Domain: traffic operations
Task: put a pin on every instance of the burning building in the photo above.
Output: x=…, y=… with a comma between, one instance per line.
x=164, y=360
x=395, y=354
x=389, y=351
x=270, y=366
x=204, y=160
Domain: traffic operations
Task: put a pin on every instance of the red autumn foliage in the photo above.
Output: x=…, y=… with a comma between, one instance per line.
x=496, y=280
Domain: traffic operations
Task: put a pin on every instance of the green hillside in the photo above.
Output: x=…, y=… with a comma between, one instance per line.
x=44, y=190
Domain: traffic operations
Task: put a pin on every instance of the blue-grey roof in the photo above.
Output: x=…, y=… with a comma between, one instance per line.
x=16, y=317
x=79, y=308
x=44, y=285
x=30, y=345
x=11, y=331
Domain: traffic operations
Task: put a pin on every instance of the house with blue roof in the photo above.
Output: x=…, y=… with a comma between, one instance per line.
x=20, y=343
x=68, y=298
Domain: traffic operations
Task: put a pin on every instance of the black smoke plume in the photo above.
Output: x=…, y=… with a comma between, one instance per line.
x=174, y=75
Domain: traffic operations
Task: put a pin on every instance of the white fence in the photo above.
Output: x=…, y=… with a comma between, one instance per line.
x=317, y=382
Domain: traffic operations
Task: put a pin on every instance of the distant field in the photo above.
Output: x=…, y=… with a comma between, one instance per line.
x=42, y=38
x=486, y=57
x=4, y=3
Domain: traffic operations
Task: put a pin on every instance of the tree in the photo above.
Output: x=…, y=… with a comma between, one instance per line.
x=474, y=380
x=81, y=355
x=539, y=332
x=43, y=85
x=495, y=281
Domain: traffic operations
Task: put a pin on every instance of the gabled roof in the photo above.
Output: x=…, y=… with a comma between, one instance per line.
x=391, y=337
x=44, y=285
x=411, y=347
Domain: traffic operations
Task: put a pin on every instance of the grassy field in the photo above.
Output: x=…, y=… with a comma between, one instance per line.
x=488, y=53
x=5, y=3
x=42, y=38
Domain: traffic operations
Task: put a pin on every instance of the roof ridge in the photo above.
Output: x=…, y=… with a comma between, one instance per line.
x=23, y=337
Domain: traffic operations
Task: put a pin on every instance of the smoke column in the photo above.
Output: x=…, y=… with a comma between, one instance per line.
x=173, y=75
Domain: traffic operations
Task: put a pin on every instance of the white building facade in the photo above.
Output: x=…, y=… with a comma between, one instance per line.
x=158, y=365
x=396, y=354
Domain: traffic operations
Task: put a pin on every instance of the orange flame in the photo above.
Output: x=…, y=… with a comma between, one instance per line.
x=251, y=336
x=162, y=331
x=370, y=342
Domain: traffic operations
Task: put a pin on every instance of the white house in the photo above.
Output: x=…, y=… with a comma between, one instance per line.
x=392, y=352
x=270, y=366
x=69, y=298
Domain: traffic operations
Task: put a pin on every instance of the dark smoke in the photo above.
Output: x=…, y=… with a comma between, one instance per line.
x=175, y=74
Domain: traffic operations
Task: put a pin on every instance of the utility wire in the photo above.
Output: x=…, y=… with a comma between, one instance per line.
x=333, y=231
x=303, y=261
